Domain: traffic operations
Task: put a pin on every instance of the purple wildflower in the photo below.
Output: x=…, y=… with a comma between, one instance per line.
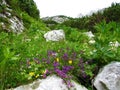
x=66, y=69
x=48, y=61
x=45, y=74
x=60, y=73
x=55, y=64
x=51, y=53
x=69, y=84
x=65, y=56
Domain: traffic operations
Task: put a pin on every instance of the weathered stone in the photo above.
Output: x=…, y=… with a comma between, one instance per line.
x=109, y=77
x=57, y=19
x=15, y=23
x=50, y=83
x=54, y=35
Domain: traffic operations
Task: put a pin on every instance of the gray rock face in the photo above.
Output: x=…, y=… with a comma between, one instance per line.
x=54, y=35
x=57, y=19
x=109, y=77
x=14, y=24
x=50, y=83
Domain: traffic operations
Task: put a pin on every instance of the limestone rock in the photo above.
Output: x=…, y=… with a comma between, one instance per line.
x=16, y=24
x=54, y=35
x=50, y=83
x=13, y=23
x=109, y=77
x=57, y=19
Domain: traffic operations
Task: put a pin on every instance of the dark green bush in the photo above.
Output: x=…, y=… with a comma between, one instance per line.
x=27, y=6
x=112, y=13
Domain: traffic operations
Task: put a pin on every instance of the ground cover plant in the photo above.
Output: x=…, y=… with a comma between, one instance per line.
x=27, y=56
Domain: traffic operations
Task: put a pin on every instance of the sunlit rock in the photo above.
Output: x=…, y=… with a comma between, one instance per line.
x=54, y=35
x=109, y=77
x=57, y=19
x=50, y=83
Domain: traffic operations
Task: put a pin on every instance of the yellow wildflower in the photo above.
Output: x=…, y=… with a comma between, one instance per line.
x=70, y=61
x=31, y=73
x=57, y=59
x=37, y=76
x=58, y=50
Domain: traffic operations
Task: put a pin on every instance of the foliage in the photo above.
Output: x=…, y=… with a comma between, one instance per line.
x=106, y=43
x=88, y=22
x=27, y=56
x=112, y=13
x=29, y=21
x=73, y=34
x=30, y=48
x=25, y=11
x=27, y=6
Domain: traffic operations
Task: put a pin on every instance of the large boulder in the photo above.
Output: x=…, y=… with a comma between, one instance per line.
x=54, y=35
x=50, y=83
x=109, y=77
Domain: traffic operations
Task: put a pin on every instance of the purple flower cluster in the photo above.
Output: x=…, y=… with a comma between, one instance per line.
x=66, y=69
x=64, y=72
x=58, y=63
x=55, y=64
x=65, y=56
x=61, y=73
x=51, y=53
